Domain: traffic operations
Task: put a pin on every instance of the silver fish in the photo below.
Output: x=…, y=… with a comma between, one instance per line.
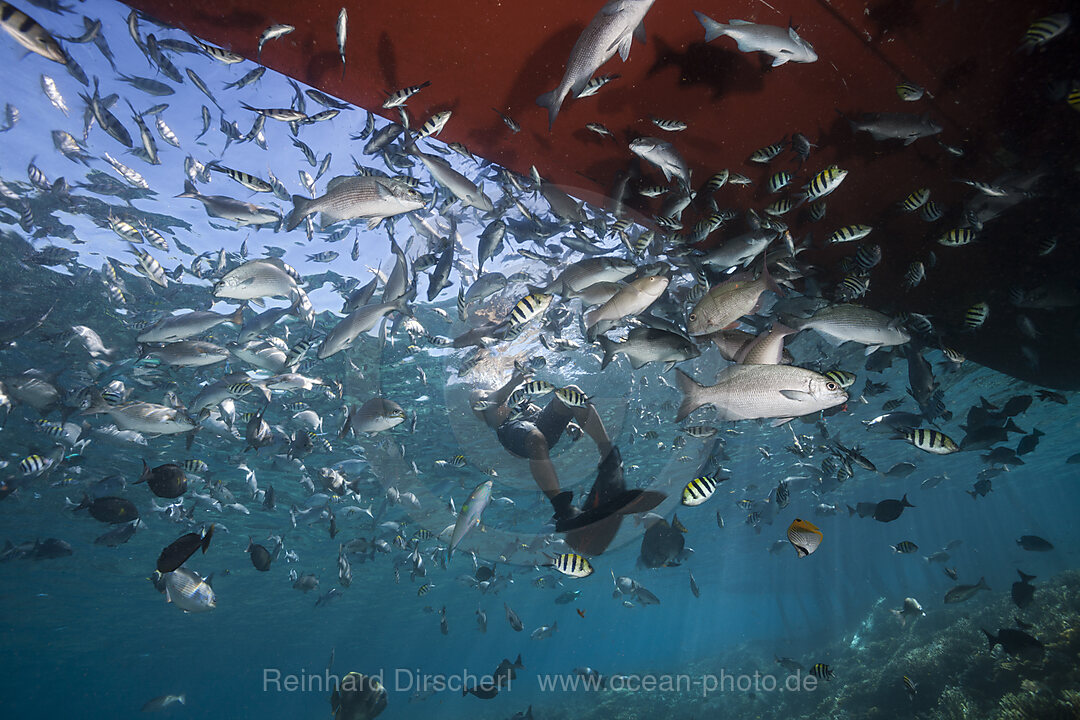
x=611, y=30
x=783, y=44
x=745, y=392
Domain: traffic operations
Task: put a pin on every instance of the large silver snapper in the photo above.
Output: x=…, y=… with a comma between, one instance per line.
x=782, y=44
x=854, y=323
x=748, y=392
x=612, y=29
x=350, y=196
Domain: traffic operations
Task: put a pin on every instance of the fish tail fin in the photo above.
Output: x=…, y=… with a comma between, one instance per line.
x=851, y=511
x=237, y=317
x=190, y=190
x=713, y=29
x=182, y=699
x=905, y=503
x=768, y=278
x=299, y=212
x=691, y=390
x=610, y=347
x=990, y=639
x=982, y=584
x=1024, y=577
x=518, y=663
x=553, y=102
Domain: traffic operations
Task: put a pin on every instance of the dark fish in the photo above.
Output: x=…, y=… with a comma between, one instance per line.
x=49, y=549
x=1002, y=456
x=1028, y=443
x=357, y=697
x=960, y=593
x=661, y=546
x=482, y=690
x=484, y=573
x=1052, y=396
x=513, y=619
x=1016, y=405
x=889, y=510
x=165, y=481
x=1023, y=592
x=980, y=488
x=177, y=553
x=506, y=671
x=1034, y=543
x=109, y=509
x=118, y=535
x=900, y=470
x=1015, y=642
x=260, y=556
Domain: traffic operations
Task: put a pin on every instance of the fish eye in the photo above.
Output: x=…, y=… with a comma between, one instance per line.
x=830, y=386
x=693, y=317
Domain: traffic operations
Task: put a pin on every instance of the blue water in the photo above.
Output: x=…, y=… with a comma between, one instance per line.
x=88, y=634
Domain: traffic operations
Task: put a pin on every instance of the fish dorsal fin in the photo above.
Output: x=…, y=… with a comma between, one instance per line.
x=739, y=22
x=335, y=181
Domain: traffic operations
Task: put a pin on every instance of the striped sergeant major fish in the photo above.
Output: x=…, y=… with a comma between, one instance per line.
x=571, y=564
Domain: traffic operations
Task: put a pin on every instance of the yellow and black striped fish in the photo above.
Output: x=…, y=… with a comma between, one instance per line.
x=767, y=153
x=976, y=315
x=916, y=199
x=931, y=441
x=529, y=307
x=424, y=589
x=700, y=431
x=821, y=671
x=33, y=465
x=571, y=564
x=779, y=207
x=905, y=547
x=843, y=378
x=1073, y=98
x=1044, y=30
x=194, y=466
x=699, y=490
x=911, y=687
x=953, y=355
x=714, y=183
x=535, y=388
x=572, y=397
x=957, y=237
x=825, y=182
x=779, y=181
x=804, y=536
x=852, y=287
x=848, y=233
x=931, y=212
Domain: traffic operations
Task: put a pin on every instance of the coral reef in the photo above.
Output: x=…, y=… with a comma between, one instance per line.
x=945, y=654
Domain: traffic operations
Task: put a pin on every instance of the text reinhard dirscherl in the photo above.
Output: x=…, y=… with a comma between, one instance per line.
x=413, y=681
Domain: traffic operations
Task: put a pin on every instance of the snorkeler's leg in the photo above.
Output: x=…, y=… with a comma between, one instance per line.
x=557, y=415
x=543, y=472
x=590, y=422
